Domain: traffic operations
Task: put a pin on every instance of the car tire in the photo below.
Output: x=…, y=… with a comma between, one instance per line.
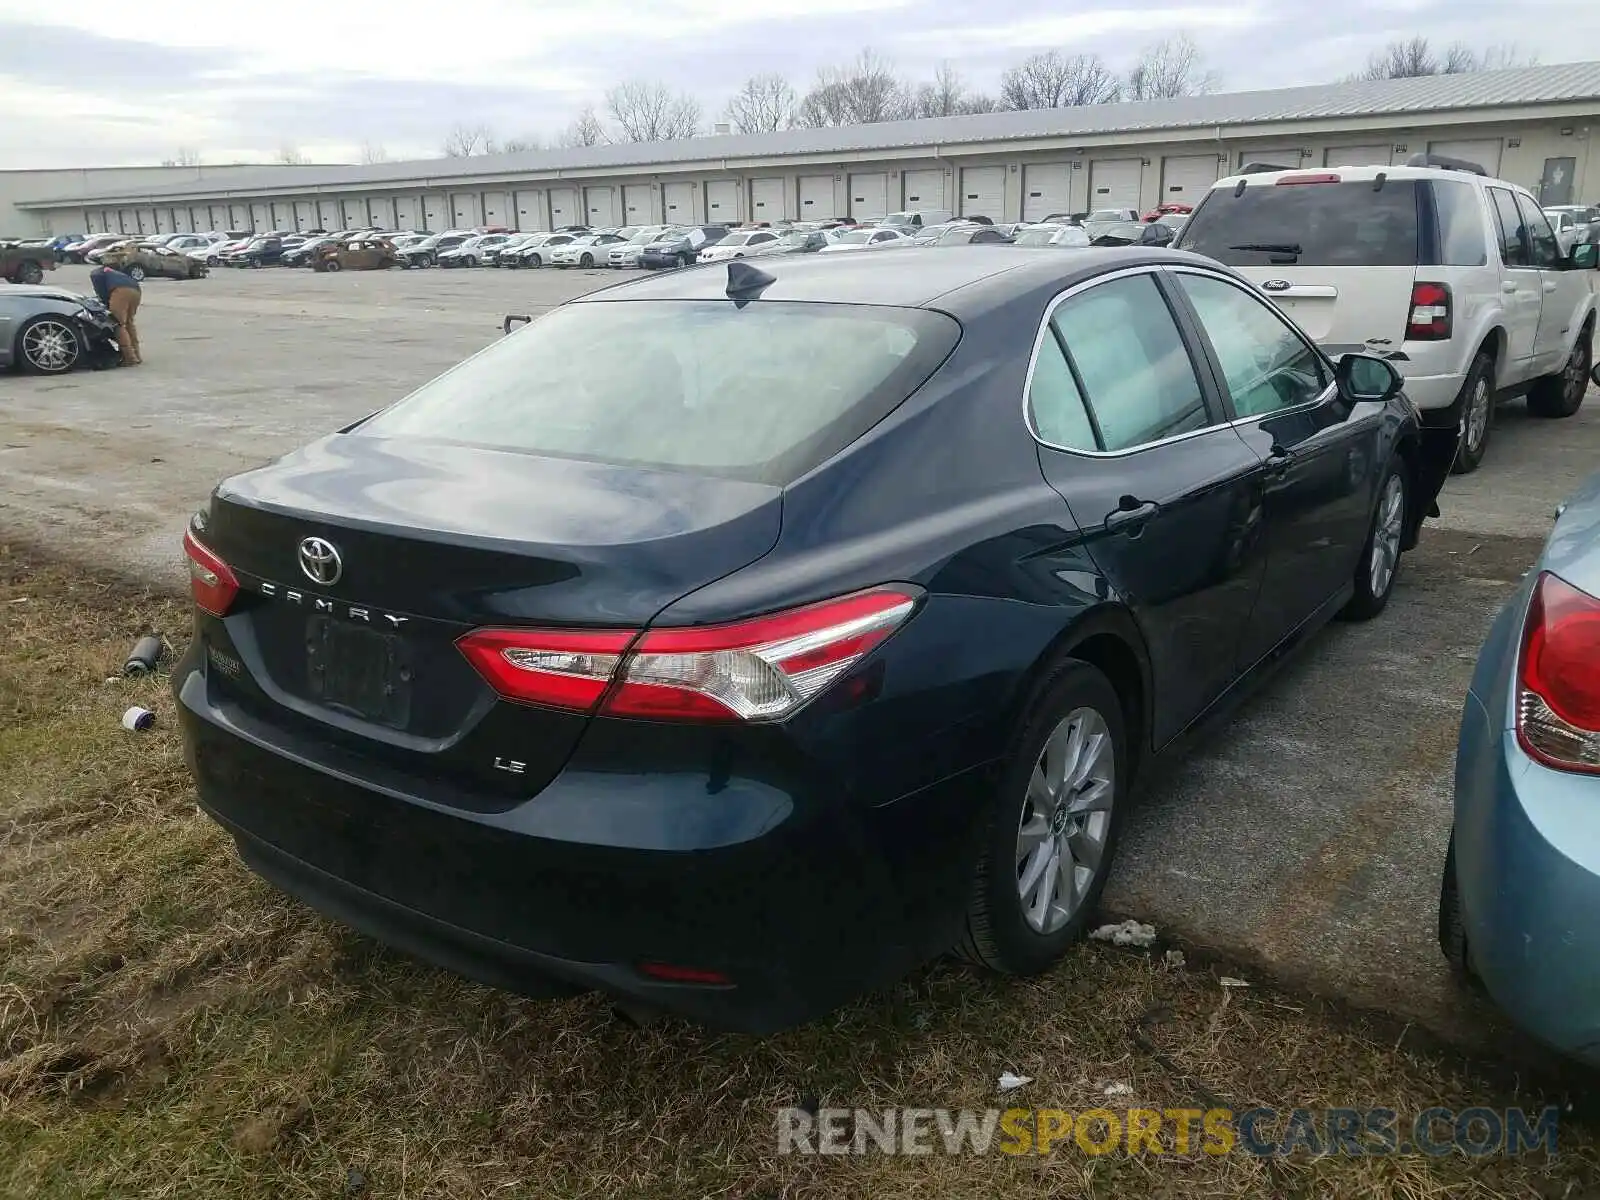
x=1452, y=926
x=469, y=261
x=686, y=260
x=1379, y=564
x=1477, y=415
x=586, y=261
x=136, y=273
x=332, y=265
x=534, y=261
x=213, y=261
x=1073, y=728
x=30, y=273
x=1561, y=395
x=49, y=345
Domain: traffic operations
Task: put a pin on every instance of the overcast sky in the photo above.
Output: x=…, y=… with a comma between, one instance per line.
x=90, y=82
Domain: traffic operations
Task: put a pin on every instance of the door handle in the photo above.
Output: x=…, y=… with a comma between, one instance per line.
x=1549, y=287
x=1277, y=461
x=1131, y=514
x=1508, y=286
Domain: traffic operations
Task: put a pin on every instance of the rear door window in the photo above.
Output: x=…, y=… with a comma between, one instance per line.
x=1268, y=367
x=1461, y=242
x=1546, y=251
x=1313, y=224
x=1514, y=247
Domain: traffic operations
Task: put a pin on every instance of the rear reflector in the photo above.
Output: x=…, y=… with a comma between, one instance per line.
x=560, y=668
x=760, y=669
x=1430, y=317
x=1320, y=177
x=1558, y=678
x=669, y=973
x=211, y=583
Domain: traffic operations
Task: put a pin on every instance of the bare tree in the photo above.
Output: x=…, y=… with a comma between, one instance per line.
x=186, y=156
x=947, y=96
x=464, y=141
x=373, y=152
x=520, y=145
x=861, y=92
x=765, y=103
x=290, y=156
x=652, y=112
x=1171, y=67
x=1052, y=80
x=585, y=130
x=1410, y=58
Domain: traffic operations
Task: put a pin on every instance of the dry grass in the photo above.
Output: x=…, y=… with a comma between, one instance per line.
x=171, y=1027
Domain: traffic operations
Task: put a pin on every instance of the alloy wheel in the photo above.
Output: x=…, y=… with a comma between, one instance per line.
x=1066, y=820
x=50, y=346
x=1475, y=420
x=1386, y=535
x=1575, y=378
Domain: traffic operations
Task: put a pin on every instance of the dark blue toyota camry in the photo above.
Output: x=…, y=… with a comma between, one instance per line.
x=735, y=640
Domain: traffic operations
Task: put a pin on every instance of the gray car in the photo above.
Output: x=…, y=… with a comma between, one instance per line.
x=50, y=330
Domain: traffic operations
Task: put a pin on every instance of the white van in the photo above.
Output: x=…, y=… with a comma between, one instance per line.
x=1456, y=278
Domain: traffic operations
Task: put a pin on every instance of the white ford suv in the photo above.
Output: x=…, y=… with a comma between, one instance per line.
x=1455, y=277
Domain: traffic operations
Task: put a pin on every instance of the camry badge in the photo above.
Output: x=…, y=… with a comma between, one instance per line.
x=1275, y=285
x=320, y=561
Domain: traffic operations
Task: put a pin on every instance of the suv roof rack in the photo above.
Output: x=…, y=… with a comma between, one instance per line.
x=1261, y=168
x=1445, y=163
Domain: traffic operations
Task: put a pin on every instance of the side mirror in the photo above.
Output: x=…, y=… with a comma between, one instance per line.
x=514, y=321
x=1586, y=256
x=1367, y=377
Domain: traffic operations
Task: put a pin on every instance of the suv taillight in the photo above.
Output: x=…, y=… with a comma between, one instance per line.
x=1558, y=677
x=756, y=670
x=1430, y=317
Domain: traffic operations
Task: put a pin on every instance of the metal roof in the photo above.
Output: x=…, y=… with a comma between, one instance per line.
x=1554, y=84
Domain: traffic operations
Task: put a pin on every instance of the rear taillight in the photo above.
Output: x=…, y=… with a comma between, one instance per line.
x=558, y=668
x=755, y=670
x=210, y=581
x=1430, y=316
x=1558, y=678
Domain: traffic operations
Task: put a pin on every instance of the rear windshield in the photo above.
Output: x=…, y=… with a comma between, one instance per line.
x=763, y=393
x=1312, y=224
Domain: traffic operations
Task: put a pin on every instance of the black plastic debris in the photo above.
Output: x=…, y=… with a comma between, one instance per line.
x=144, y=656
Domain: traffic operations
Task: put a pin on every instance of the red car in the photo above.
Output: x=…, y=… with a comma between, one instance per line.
x=1162, y=210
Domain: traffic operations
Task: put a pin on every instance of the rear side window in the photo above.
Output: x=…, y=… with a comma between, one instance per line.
x=763, y=393
x=1314, y=224
x=1541, y=238
x=1137, y=375
x=1461, y=242
x=1513, y=238
x=1059, y=415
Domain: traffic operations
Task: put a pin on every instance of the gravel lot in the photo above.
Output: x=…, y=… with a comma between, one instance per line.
x=1305, y=836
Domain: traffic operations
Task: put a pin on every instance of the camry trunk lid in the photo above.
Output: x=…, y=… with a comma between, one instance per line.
x=361, y=560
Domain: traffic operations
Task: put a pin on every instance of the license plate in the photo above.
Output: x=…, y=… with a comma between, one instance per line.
x=359, y=671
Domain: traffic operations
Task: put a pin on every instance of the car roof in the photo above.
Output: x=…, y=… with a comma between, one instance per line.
x=1361, y=175
x=965, y=280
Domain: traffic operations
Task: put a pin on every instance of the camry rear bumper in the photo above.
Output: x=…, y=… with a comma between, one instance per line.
x=796, y=897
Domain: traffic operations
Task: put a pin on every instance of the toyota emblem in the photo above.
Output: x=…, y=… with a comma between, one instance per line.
x=320, y=561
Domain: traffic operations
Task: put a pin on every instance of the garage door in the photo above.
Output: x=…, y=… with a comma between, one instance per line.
x=680, y=203
x=1115, y=183
x=305, y=214
x=465, y=209
x=328, y=216
x=239, y=216
x=1186, y=178
x=869, y=195
x=160, y=225
x=1282, y=156
x=436, y=212
x=722, y=201
x=600, y=206
x=1378, y=154
x=354, y=212
x=816, y=197
x=1486, y=153
x=922, y=189
x=983, y=192
x=530, y=210
x=636, y=206
x=564, y=207
x=767, y=200
x=1046, y=189
x=496, y=208
x=380, y=212
x=185, y=219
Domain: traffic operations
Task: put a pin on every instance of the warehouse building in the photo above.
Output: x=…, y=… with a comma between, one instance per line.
x=1529, y=125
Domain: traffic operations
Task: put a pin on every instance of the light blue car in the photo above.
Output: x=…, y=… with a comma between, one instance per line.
x=1521, y=890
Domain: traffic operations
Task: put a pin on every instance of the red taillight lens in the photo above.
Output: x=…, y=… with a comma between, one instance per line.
x=210, y=581
x=672, y=973
x=1430, y=316
x=761, y=669
x=754, y=670
x=1319, y=177
x=1558, y=692
x=563, y=669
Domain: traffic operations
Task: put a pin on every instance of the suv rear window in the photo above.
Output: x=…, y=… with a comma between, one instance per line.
x=762, y=393
x=1331, y=224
